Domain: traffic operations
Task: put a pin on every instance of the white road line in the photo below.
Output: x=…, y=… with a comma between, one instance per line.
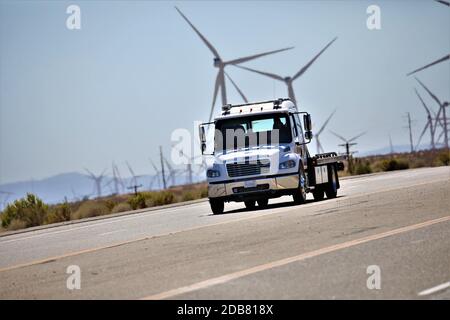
x=111, y=232
x=435, y=289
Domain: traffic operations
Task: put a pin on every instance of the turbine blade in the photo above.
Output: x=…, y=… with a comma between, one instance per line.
x=302, y=70
x=430, y=93
x=89, y=173
x=131, y=170
x=216, y=90
x=444, y=2
x=340, y=137
x=209, y=45
x=423, y=103
x=237, y=88
x=256, y=56
x=421, y=135
x=430, y=64
x=326, y=122
x=267, y=74
x=356, y=137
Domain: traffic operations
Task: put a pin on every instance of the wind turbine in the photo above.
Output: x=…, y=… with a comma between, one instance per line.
x=117, y=180
x=429, y=124
x=444, y=58
x=347, y=144
x=289, y=80
x=442, y=106
x=97, y=181
x=220, y=64
x=316, y=136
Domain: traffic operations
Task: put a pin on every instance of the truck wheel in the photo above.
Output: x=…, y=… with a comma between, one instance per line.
x=250, y=205
x=331, y=189
x=217, y=206
x=300, y=193
x=318, y=194
x=262, y=203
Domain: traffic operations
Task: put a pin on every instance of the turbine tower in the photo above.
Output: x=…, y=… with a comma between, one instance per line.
x=289, y=80
x=220, y=64
x=316, y=136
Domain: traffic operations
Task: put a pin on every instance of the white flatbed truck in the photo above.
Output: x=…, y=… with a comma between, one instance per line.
x=260, y=152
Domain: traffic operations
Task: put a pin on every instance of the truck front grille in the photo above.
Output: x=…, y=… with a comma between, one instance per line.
x=248, y=168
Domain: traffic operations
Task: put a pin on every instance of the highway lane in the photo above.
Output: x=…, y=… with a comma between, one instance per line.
x=44, y=244
x=242, y=240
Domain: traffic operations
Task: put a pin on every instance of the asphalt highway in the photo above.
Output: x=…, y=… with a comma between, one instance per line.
x=396, y=223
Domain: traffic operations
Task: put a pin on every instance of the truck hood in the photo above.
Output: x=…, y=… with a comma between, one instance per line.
x=250, y=154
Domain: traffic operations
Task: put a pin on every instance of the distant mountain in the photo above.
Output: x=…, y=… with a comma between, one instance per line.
x=74, y=185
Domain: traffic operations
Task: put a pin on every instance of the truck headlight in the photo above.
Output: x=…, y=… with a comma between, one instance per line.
x=287, y=164
x=211, y=173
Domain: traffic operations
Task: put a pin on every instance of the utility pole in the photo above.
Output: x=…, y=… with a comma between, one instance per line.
x=390, y=144
x=410, y=132
x=189, y=170
x=135, y=188
x=162, y=167
x=444, y=105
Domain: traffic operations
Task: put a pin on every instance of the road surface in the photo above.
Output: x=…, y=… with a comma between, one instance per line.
x=392, y=227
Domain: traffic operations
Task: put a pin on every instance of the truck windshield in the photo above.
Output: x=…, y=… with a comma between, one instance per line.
x=251, y=131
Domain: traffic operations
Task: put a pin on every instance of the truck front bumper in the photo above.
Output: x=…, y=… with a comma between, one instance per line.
x=273, y=186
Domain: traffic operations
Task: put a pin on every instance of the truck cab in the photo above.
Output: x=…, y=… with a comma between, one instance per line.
x=260, y=152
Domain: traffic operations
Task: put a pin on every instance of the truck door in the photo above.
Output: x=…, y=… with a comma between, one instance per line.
x=299, y=137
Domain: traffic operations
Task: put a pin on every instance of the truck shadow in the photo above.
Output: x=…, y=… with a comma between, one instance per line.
x=277, y=205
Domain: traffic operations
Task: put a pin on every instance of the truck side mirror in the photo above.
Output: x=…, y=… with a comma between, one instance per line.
x=202, y=135
x=307, y=122
x=308, y=135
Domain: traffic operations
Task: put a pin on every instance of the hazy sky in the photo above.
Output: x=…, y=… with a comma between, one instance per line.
x=117, y=88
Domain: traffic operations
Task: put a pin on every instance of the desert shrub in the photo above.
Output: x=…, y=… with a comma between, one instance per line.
x=17, y=225
x=163, y=197
x=203, y=192
x=418, y=163
x=90, y=209
x=121, y=207
x=27, y=212
x=393, y=164
x=444, y=158
x=59, y=213
x=110, y=204
x=187, y=196
x=137, y=202
x=362, y=167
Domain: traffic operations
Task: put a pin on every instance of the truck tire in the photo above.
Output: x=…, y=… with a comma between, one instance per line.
x=300, y=193
x=217, y=206
x=250, y=205
x=262, y=203
x=318, y=194
x=331, y=189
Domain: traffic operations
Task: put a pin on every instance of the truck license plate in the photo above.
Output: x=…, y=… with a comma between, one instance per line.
x=250, y=184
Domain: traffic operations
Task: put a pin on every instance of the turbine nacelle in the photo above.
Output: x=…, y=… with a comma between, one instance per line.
x=217, y=62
